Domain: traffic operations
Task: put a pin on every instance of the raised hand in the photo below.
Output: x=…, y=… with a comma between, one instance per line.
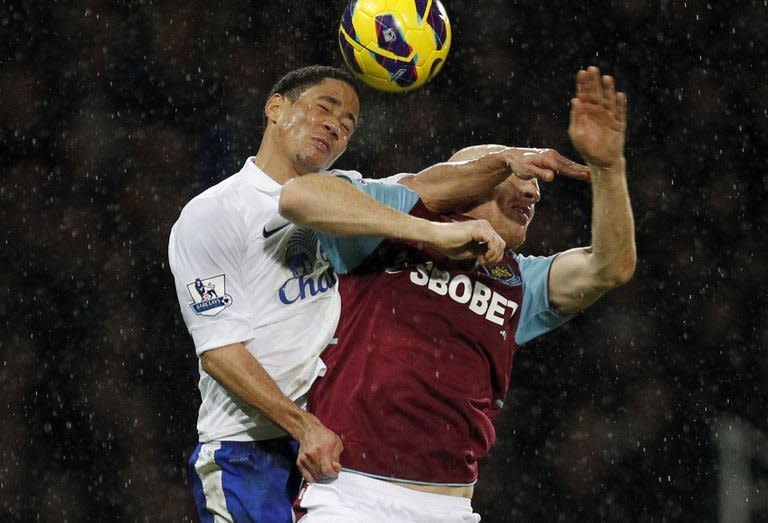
x=598, y=119
x=467, y=240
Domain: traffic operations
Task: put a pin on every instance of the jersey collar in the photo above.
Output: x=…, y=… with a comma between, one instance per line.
x=261, y=180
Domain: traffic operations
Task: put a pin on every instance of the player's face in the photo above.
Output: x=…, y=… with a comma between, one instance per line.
x=510, y=208
x=314, y=130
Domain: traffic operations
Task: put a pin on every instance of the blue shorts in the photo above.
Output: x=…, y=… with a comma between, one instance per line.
x=245, y=481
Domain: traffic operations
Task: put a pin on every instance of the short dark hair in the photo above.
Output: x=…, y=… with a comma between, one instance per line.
x=295, y=82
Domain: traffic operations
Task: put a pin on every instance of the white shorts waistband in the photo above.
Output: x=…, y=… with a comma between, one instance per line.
x=352, y=482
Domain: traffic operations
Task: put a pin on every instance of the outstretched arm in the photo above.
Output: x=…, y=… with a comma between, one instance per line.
x=473, y=172
x=598, y=124
x=334, y=206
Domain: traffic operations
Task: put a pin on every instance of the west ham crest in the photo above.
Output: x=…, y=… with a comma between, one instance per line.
x=505, y=274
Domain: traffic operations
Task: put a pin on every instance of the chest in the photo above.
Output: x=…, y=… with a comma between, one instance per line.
x=418, y=299
x=286, y=263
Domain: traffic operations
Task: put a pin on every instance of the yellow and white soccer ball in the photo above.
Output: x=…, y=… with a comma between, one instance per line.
x=394, y=45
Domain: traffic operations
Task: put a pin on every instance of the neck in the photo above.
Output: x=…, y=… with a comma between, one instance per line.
x=275, y=165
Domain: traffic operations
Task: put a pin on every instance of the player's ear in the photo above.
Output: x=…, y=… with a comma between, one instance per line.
x=273, y=106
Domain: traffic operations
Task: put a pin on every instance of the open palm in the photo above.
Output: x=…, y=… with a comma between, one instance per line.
x=598, y=119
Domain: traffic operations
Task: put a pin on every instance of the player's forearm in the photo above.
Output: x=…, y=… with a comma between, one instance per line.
x=476, y=151
x=242, y=375
x=613, y=256
x=457, y=184
x=579, y=277
x=333, y=206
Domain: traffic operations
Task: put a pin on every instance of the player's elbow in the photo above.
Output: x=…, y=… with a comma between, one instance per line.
x=620, y=278
x=428, y=194
x=206, y=362
x=438, y=197
x=213, y=361
x=620, y=271
x=627, y=266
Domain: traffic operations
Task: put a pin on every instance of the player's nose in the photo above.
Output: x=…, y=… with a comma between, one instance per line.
x=332, y=128
x=531, y=191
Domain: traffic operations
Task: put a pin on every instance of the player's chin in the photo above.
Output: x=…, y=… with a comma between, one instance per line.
x=318, y=160
x=314, y=163
x=515, y=236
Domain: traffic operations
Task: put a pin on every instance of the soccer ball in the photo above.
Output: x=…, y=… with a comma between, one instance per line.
x=394, y=45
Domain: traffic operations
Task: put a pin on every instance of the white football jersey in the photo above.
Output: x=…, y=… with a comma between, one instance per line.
x=245, y=274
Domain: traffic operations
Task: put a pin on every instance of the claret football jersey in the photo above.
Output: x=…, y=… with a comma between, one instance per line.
x=423, y=352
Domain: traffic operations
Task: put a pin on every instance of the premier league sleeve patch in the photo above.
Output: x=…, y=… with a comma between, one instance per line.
x=209, y=295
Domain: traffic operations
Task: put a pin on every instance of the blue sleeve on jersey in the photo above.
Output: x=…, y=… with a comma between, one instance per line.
x=346, y=253
x=536, y=317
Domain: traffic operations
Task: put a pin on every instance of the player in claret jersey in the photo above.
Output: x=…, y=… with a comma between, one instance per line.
x=425, y=344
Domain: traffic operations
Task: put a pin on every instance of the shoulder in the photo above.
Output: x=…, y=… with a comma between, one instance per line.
x=532, y=263
x=212, y=205
x=239, y=195
x=212, y=216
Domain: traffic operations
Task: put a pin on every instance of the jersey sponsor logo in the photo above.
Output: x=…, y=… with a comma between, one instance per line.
x=312, y=273
x=478, y=297
x=209, y=295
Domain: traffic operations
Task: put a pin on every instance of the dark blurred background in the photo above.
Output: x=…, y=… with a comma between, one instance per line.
x=114, y=114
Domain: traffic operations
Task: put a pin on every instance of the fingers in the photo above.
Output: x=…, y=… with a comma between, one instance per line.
x=544, y=164
x=306, y=473
x=491, y=258
x=494, y=245
x=528, y=163
x=568, y=167
x=327, y=463
x=574, y=170
x=468, y=240
x=319, y=454
x=621, y=108
x=592, y=87
x=532, y=171
x=587, y=87
x=609, y=93
x=318, y=468
x=598, y=118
